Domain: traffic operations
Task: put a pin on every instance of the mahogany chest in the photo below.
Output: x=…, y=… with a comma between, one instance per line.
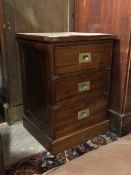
x=66, y=83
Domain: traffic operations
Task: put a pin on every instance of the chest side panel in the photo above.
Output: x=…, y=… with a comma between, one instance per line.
x=36, y=71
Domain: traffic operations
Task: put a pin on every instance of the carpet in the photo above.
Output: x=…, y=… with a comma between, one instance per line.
x=44, y=161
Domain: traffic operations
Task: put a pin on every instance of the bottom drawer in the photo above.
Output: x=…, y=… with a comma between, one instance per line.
x=80, y=115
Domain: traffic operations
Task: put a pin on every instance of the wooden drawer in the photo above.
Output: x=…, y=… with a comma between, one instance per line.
x=81, y=114
x=82, y=58
x=79, y=86
x=65, y=80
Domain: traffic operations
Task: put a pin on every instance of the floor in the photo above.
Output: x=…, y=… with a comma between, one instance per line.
x=43, y=163
x=1, y=120
x=2, y=117
x=111, y=159
x=17, y=143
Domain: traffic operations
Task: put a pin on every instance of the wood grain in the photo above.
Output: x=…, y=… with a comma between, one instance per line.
x=52, y=102
x=109, y=17
x=67, y=116
x=67, y=58
x=81, y=136
x=127, y=99
x=27, y=16
x=64, y=142
x=98, y=85
x=3, y=60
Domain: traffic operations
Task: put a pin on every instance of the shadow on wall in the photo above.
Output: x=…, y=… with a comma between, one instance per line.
x=2, y=93
x=45, y=16
x=31, y=16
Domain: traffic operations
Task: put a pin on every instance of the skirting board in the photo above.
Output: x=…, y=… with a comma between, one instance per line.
x=64, y=142
x=120, y=123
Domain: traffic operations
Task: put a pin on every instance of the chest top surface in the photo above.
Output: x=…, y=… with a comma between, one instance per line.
x=64, y=36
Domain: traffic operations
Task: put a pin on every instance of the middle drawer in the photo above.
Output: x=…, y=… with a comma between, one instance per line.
x=76, y=87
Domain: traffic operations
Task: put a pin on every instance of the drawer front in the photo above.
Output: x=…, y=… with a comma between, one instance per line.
x=80, y=86
x=82, y=58
x=80, y=115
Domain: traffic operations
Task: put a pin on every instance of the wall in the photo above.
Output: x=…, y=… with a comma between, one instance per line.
x=43, y=15
x=29, y=16
x=112, y=16
x=1, y=79
x=109, y=16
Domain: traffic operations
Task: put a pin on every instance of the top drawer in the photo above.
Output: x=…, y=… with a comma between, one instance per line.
x=69, y=59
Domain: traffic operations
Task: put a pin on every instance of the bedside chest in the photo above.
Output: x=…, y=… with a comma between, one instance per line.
x=66, y=81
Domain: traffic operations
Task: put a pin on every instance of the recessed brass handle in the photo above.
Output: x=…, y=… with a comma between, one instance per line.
x=84, y=86
x=84, y=57
x=83, y=114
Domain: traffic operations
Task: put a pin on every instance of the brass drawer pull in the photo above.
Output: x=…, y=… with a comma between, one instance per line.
x=84, y=57
x=83, y=114
x=84, y=86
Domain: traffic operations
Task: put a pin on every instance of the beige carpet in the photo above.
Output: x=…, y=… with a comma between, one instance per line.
x=112, y=159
